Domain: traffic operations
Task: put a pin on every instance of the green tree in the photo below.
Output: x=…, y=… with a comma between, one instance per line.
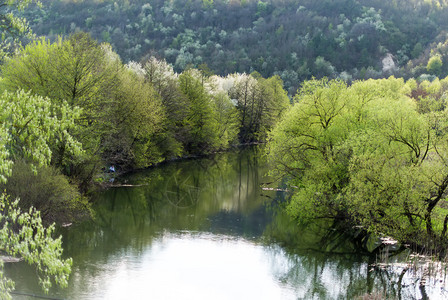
x=365, y=153
x=226, y=118
x=29, y=125
x=12, y=26
x=137, y=116
x=81, y=72
x=161, y=76
x=244, y=91
x=302, y=146
x=202, y=135
x=434, y=65
x=260, y=103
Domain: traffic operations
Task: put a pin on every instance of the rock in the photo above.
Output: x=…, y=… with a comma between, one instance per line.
x=388, y=63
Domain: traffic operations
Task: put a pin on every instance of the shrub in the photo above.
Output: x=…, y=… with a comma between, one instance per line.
x=48, y=191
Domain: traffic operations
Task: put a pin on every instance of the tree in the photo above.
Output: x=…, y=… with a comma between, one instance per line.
x=138, y=116
x=161, y=76
x=244, y=91
x=11, y=26
x=29, y=124
x=79, y=71
x=260, y=103
x=365, y=153
x=226, y=119
x=302, y=146
x=202, y=135
x=275, y=103
x=434, y=65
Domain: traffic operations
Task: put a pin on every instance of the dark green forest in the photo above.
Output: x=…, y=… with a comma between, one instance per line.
x=295, y=39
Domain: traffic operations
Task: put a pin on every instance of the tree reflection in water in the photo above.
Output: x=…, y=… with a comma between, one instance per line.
x=218, y=202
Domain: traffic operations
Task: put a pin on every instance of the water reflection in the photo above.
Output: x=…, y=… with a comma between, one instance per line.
x=204, y=229
x=185, y=267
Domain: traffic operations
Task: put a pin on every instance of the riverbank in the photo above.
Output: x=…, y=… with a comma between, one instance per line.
x=106, y=180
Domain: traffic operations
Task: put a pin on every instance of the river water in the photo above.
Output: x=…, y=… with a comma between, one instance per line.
x=209, y=228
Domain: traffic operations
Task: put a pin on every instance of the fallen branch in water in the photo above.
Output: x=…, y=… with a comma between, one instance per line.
x=273, y=189
x=10, y=259
x=128, y=185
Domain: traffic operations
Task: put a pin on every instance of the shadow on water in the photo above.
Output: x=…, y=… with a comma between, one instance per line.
x=213, y=203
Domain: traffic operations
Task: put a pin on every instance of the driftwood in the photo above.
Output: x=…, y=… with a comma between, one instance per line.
x=273, y=189
x=10, y=259
x=128, y=185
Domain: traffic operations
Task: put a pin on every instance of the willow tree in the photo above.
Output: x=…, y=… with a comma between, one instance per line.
x=366, y=154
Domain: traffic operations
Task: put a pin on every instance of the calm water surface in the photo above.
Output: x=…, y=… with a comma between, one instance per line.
x=204, y=229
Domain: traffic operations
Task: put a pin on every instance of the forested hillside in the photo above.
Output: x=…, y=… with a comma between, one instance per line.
x=296, y=39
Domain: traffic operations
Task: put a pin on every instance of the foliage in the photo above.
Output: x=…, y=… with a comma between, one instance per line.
x=23, y=235
x=201, y=127
x=434, y=65
x=295, y=39
x=48, y=191
x=28, y=125
x=12, y=26
x=260, y=103
x=365, y=153
x=161, y=76
x=119, y=112
x=137, y=116
x=226, y=119
x=71, y=72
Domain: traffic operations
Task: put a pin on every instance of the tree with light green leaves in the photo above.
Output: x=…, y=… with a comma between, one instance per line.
x=137, y=116
x=226, y=118
x=201, y=127
x=260, y=103
x=366, y=154
x=29, y=124
x=165, y=82
x=121, y=111
x=76, y=71
x=434, y=65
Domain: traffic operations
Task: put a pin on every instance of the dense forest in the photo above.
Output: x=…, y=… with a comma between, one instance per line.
x=295, y=39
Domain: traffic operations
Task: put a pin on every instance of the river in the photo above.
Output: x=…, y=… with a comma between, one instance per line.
x=207, y=229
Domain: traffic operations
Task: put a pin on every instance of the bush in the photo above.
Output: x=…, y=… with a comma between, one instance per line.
x=48, y=191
